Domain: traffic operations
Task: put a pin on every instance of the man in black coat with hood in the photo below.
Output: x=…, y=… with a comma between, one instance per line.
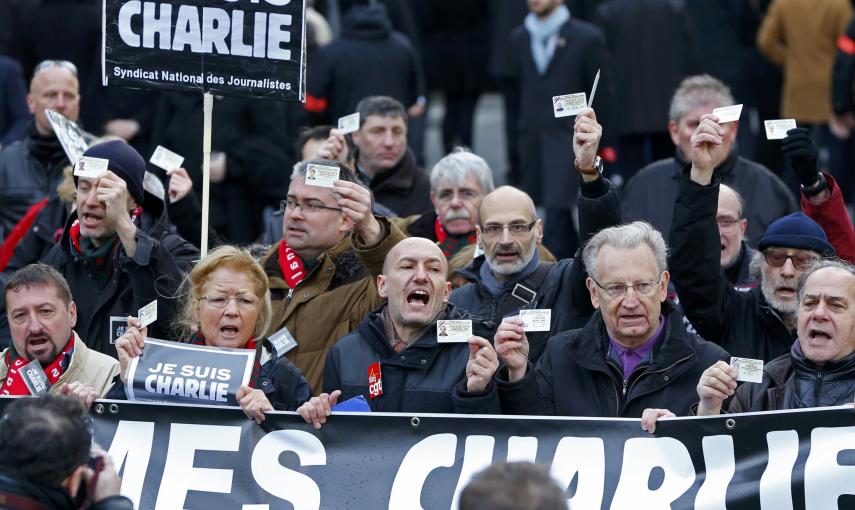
x=118, y=251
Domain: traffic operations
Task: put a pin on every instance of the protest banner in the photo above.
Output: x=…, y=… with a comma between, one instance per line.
x=174, y=456
x=186, y=373
x=245, y=48
x=252, y=48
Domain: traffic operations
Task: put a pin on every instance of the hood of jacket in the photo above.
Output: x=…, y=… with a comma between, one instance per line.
x=367, y=22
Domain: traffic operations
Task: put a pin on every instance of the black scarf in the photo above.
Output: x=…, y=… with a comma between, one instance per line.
x=46, y=149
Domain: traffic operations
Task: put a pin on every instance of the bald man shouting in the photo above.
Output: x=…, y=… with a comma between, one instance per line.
x=394, y=358
x=511, y=277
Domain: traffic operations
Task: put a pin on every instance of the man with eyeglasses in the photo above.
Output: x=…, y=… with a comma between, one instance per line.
x=322, y=272
x=760, y=323
x=458, y=183
x=633, y=354
x=736, y=254
x=32, y=168
x=511, y=275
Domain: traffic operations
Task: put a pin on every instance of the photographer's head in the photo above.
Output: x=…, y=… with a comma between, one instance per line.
x=46, y=442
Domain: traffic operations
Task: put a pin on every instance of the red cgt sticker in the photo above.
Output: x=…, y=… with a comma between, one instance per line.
x=375, y=380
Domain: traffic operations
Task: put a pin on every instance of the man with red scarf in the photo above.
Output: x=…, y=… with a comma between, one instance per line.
x=322, y=272
x=41, y=317
x=458, y=182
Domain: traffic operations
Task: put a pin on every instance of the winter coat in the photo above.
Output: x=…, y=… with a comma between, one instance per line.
x=545, y=142
x=14, y=115
x=801, y=37
x=30, y=170
x=336, y=294
x=792, y=378
x=53, y=498
x=368, y=59
x=834, y=219
x=43, y=234
x=404, y=188
x=425, y=377
x=651, y=194
x=743, y=323
x=257, y=139
x=87, y=366
x=577, y=376
x=156, y=271
x=640, y=34
x=563, y=289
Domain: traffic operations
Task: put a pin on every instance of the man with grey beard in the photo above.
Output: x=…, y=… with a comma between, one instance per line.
x=510, y=275
x=761, y=323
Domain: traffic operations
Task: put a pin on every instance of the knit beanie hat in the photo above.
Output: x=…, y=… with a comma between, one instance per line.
x=796, y=231
x=124, y=161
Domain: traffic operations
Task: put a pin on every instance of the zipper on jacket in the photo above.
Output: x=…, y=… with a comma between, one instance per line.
x=618, y=399
x=818, y=387
x=669, y=367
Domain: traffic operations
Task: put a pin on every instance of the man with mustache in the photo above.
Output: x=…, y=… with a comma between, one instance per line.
x=41, y=317
x=758, y=324
x=395, y=359
x=511, y=274
x=321, y=273
x=458, y=183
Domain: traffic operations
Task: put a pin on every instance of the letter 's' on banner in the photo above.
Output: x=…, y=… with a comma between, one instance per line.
x=253, y=48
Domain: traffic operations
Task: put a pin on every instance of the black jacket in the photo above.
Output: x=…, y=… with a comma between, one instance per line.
x=404, y=188
x=45, y=231
x=794, y=382
x=368, y=59
x=743, y=323
x=53, y=498
x=30, y=170
x=766, y=197
x=576, y=377
x=282, y=383
x=654, y=46
x=563, y=290
x=155, y=272
x=545, y=143
x=425, y=377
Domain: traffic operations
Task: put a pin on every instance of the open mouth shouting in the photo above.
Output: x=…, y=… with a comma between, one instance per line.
x=418, y=299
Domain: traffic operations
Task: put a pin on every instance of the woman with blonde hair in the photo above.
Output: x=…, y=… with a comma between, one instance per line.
x=228, y=305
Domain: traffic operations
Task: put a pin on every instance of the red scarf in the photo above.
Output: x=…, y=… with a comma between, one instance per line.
x=74, y=232
x=453, y=244
x=291, y=266
x=14, y=383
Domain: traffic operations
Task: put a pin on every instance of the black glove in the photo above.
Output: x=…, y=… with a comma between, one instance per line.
x=802, y=154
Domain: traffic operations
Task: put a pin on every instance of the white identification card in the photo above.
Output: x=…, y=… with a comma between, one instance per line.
x=166, y=159
x=148, y=313
x=282, y=341
x=321, y=175
x=728, y=113
x=594, y=89
x=349, y=123
x=453, y=331
x=536, y=319
x=747, y=369
x=91, y=168
x=569, y=104
x=777, y=129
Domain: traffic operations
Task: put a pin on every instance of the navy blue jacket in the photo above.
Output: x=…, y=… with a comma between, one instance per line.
x=425, y=377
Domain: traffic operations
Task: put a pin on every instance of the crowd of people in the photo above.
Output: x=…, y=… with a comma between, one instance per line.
x=659, y=243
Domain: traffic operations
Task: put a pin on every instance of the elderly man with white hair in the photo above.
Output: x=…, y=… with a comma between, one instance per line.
x=633, y=354
x=458, y=182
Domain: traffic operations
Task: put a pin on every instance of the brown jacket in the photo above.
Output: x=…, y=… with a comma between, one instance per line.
x=801, y=36
x=331, y=301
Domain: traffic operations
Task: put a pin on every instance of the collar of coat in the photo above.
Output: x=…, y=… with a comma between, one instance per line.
x=341, y=258
x=588, y=347
x=400, y=177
